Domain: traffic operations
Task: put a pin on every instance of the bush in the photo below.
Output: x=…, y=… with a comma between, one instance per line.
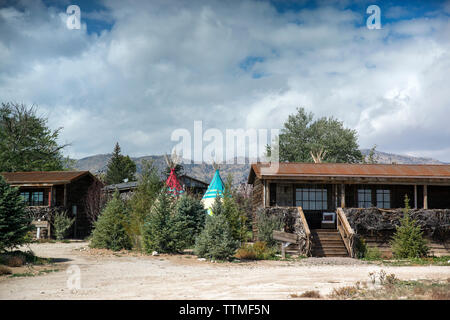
x=14, y=222
x=191, y=210
x=216, y=240
x=4, y=270
x=62, y=223
x=408, y=240
x=257, y=251
x=109, y=231
x=361, y=247
x=266, y=224
x=165, y=229
x=373, y=253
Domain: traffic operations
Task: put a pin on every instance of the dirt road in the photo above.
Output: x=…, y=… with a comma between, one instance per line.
x=104, y=275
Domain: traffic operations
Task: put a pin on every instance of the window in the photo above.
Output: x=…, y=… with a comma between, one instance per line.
x=314, y=198
x=364, y=198
x=384, y=199
x=33, y=198
x=26, y=197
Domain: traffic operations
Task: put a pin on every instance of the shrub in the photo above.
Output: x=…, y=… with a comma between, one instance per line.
x=191, y=209
x=257, y=251
x=266, y=224
x=361, y=247
x=62, y=223
x=408, y=240
x=216, y=240
x=246, y=252
x=373, y=253
x=4, y=270
x=165, y=229
x=14, y=222
x=311, y=294
x=109, y=231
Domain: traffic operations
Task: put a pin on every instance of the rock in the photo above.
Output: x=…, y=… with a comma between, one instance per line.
x=155, y=253
x=201, y=259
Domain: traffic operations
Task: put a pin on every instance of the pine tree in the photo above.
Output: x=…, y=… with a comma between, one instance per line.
x=149, y=186
x=109, y=230
x=216, y=240
x=236, y=217
x=164, y=230
x=408, y=241
x=119, y=167
x=191, y=210
x=14, y=222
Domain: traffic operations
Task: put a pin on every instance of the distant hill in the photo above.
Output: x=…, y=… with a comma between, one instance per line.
x=384, y=157
x=205, y=172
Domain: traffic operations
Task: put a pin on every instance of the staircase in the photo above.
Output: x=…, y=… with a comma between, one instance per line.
x=327, y=243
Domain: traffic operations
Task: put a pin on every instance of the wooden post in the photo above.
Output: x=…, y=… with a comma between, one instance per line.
x=264, y=194
x=50, y=196
x=65, y=196
x=415, y=196
x=425, y=196
x=342, y=195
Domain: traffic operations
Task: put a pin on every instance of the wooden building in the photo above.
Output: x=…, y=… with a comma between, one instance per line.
x=325, y=187
x=45, y=191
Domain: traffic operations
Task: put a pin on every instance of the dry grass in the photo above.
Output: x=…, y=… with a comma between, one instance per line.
x=4, y=270
x=14, y=261
x=311, y=294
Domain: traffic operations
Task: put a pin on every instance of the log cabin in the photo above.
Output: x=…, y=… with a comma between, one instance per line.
x=45, y=192
x=325, y=192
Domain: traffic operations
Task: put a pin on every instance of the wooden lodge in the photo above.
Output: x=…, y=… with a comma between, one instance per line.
x=324, y=191
x=47, y=191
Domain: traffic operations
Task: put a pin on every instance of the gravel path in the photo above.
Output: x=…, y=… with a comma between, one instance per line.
x=104, y=275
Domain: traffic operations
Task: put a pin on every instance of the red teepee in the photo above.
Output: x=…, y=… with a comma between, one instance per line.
x=173, y=184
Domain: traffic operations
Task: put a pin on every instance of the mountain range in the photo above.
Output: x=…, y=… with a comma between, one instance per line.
x=204, y=172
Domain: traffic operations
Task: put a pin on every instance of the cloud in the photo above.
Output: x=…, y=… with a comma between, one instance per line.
x=233, y=64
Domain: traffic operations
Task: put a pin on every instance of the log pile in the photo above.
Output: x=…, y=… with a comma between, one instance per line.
x=435, y=223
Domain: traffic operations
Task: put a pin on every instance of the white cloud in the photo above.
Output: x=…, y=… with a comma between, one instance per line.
x=165, y=64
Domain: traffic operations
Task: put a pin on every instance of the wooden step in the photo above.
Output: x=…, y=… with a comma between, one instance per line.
x=327, y=243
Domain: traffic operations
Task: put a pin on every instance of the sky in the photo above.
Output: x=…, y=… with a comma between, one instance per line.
x=136, y=71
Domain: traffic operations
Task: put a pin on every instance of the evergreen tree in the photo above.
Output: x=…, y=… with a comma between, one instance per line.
x=26, y=143
x=109, y=230
x=164, y=230
x=149, y=186
x=236, y=217
x=14, y=222
x=192, y=212
x=216, y=240
x=120, y=167
x=408, y=241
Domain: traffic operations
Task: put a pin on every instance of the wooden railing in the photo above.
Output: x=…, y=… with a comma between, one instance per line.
x=345, y=230
x=307, y=231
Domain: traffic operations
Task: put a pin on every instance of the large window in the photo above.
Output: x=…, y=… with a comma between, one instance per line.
x=384, y=198
x=311, y=198
x=364, y=198
x=33, y=198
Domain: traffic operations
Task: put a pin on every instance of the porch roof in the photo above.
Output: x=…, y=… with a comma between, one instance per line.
x=40, y=178
x=343, y=171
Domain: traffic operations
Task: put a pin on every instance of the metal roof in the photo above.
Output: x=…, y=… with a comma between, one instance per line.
x=43, y=177
x=303, y=170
